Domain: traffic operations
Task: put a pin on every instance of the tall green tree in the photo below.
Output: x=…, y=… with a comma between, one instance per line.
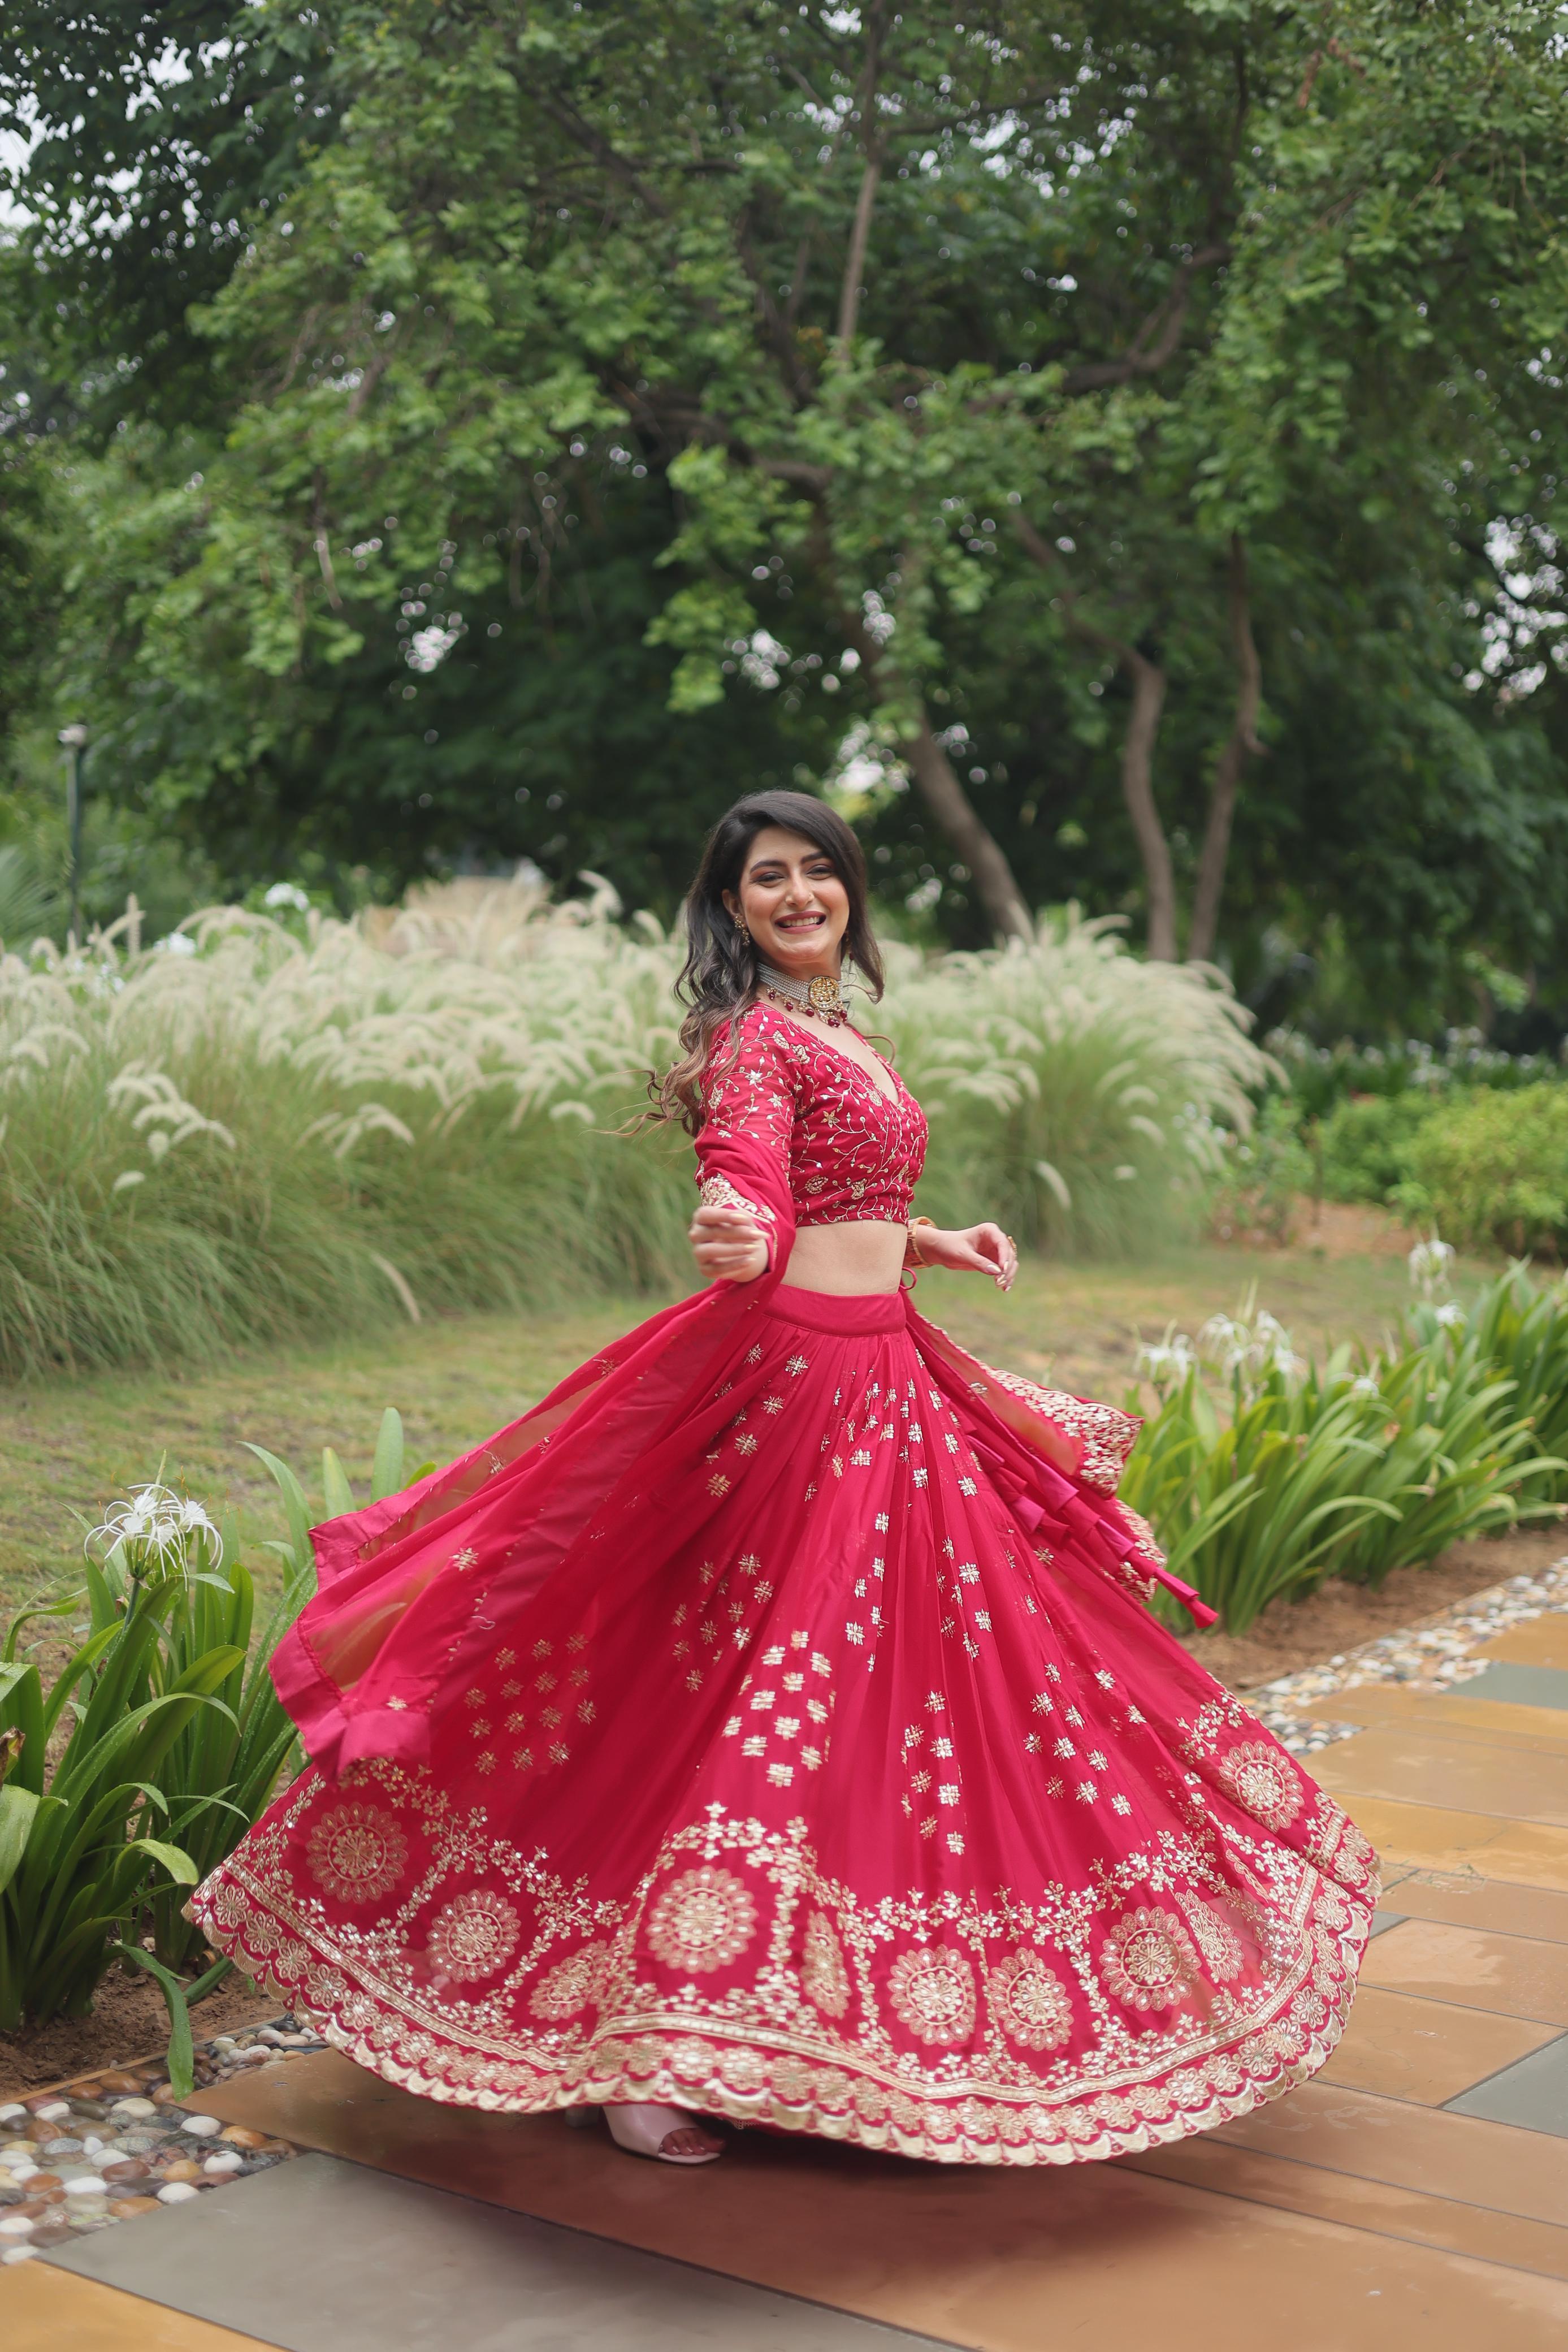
x=581, y=412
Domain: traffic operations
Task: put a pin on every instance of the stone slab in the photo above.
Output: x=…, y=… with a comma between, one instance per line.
x=1452, y=1716
x=1532, y=2094
x=1434, y=2150
x=1510, y=1976
x=1523, y=1685
x=45, y=2309
x=1538, y=1642
x=1466, y=1899
x=320, y=2255
x=1420, y=1766
x=1404, y=2047
x=1429, y=1837
x=1459, y=2227
x=995, y=2259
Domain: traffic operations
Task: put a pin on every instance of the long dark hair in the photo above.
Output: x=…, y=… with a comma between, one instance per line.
x=720, y=973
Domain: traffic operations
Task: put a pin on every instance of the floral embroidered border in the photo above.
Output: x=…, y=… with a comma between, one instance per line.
x=1107, y=1434
x=699, y=2049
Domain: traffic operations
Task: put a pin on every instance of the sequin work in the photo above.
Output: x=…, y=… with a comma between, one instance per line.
x=847, y=1151
x=770, y=1722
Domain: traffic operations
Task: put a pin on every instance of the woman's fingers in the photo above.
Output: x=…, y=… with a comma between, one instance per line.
x=996, y=1254
x=724, y=1225
x=727, y=1243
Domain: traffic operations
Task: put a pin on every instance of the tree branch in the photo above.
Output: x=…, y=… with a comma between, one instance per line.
x=955, y=813
x=1156, y=340
x=870, y=173
x=1147, y=680
x=604, y=152
x=776, y=324
x=1242, y=742
x=854, y=260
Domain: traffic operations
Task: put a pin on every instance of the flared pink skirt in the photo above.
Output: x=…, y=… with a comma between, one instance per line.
x=829, y=1797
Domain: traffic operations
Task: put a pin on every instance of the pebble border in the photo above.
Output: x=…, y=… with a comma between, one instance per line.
x=117, y=2143
x=1439, y=1656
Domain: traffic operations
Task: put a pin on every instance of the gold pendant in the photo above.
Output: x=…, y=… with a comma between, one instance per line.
x=823, y=995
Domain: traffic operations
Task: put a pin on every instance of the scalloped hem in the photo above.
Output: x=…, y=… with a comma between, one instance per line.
x=685, y=2065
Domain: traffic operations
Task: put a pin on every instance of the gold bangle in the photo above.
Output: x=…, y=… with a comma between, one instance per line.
x=914, y=1245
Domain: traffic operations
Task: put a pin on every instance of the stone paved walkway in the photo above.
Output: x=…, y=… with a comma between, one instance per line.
x=1416, y=2190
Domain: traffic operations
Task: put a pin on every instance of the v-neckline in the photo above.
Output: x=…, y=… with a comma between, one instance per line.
x=848, y=1060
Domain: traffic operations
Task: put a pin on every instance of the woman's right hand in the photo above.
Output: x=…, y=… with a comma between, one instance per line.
x=727, y=1244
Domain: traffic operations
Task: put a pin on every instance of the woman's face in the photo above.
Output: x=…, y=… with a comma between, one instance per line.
x=792, y=901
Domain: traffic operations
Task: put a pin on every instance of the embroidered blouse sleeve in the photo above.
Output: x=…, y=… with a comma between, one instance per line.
x=743, y=1147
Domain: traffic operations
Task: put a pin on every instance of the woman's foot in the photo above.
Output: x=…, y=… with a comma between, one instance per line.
x=667, y=2134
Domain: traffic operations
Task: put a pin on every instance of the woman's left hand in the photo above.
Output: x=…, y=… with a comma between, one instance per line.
x=975, y=1249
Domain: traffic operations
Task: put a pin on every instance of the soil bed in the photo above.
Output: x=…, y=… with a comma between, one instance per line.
x=128, y=2021
x=1340, y=1617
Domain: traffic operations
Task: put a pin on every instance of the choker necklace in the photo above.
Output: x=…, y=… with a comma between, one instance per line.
x=821, y=997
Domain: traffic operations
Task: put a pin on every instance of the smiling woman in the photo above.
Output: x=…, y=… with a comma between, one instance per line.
x=769, y=1725
x=777, y=911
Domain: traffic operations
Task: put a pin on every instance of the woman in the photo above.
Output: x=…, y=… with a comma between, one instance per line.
x=769, y=1725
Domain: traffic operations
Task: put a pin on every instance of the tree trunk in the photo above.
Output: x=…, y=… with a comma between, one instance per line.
x=955, y=812
x=1242, y=741
x=1138, y=791
x=935, y=775
x=1148, y=682
x=854, y=264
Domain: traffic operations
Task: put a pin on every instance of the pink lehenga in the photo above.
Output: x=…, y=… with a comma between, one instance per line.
x=772, y=1723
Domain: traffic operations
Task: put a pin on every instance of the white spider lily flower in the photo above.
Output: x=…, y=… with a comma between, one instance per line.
x=1450, y=1316
x=1251, y=1345
x=1429, y=1262
x=1361, y=1386
x=1167, y=1361
x=156, y=1528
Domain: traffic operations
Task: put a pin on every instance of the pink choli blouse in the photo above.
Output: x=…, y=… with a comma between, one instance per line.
x=797, y=1134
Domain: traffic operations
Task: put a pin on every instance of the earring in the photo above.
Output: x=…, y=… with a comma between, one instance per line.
x=739, y=921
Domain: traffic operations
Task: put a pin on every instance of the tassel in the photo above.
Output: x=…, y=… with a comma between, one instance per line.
x=1202, y=1615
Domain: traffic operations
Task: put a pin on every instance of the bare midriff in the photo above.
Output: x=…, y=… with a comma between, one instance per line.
x=857, y=1261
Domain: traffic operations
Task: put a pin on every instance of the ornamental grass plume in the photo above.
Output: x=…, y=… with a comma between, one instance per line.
x=262, y=1129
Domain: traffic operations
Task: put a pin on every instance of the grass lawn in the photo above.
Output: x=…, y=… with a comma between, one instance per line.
x=69, y=1446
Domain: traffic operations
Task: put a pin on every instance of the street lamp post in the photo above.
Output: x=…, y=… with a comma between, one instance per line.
x=74, y=740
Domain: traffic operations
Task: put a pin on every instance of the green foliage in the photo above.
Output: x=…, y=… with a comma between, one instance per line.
x=1078, y=1092
x=528, y=336
x=90, y=1837
x=1366, y=1146
x=1265, y=1175
x=1293, y=1474
x=1252, y=1508
x=1519, y=1330
x=1322, y=1078
x=1493, y=1169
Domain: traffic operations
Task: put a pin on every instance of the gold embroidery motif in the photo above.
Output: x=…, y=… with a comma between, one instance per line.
x=571, y=1986
x=1029, y=2002
x=1262, y=1780
x=718, y=1192
x=473, y=1935
x=823, y=1977
x=1148, y=1961
x=1106, y=1435
x=934, y=1993
x=357, y=1853
x=704, y=1921
x=1113, y=2090
x=1220, y=1947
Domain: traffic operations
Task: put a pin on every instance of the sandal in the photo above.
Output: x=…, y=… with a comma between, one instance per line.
x=642, y=2130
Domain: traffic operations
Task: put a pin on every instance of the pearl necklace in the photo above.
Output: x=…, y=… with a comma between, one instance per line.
x=820, y=997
